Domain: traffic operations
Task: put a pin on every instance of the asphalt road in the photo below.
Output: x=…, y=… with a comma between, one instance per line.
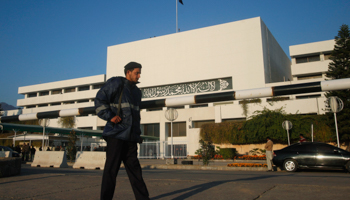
x=67, y=183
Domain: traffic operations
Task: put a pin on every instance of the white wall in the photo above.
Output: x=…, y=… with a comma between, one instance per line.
x=62, y=84
x=311, y=48
x=62, y=97
x=310, y=67
x=227, y=50
x=314, y=48
x=276, y=62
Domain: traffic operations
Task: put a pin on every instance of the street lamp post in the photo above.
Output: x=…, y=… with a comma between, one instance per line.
x=171, y=115
x=287, y=125
x=336, y=105
x=44, y=123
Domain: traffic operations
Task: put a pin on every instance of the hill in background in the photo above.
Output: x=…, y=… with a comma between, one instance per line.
x=5, y=106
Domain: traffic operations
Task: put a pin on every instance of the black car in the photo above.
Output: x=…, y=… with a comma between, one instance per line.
x=311, y=155
x=14, y=153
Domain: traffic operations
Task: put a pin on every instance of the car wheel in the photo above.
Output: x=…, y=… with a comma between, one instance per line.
x=290, y=165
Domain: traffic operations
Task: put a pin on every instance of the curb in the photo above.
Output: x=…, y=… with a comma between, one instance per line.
x=196, y=167
x=193, y=167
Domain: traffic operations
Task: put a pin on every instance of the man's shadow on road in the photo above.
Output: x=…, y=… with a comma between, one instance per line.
x=191, y=191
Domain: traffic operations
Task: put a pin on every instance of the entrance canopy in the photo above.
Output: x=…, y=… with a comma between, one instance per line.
x=37, y=128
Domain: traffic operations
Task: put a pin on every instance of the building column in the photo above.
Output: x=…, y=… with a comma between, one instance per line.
x=321, y=57
x=218, y=118
x=163, y=134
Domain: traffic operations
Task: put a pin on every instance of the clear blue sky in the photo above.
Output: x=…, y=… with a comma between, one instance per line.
x=51, y=40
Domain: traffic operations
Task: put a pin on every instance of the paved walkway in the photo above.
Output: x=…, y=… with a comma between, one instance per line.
x=38, y=183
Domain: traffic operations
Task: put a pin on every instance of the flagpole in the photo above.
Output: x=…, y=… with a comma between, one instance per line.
x=176, y=16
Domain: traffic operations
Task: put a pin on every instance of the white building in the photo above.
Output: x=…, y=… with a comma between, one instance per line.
x=233, y=56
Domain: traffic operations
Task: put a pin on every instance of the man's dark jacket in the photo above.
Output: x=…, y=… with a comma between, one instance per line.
x=107, y=104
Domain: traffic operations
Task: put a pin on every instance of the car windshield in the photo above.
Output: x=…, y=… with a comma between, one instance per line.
x=3, y=148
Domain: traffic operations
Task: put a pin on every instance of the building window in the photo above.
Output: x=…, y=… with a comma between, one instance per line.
x=308, y=96
x=199, y=106
x=327, y=56
x=83, y=115
x=150, y=129
x=177, y=107
x=223, y=103
x=97, y=86
x=83, y=101
x=179, y=129
x=56, y=92
x=309, y=77
x=30, y=95
x=275, y=99
x=56, y=104
x=198, y=124
x=234, y=120
x=31, y=106
x=154, y=109
x=44, y=93
x=307, y=59
x=85, y=128
x=43, y=105
x=67, y=90
x=68, y=102
x=256, y=100
x=83, y=88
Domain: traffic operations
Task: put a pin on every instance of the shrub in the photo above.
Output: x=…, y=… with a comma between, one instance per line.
x=206, y=152
x=267, y=123
x=227, y=153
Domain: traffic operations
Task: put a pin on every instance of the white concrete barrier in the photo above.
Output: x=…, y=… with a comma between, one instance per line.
x=55, y=159
x=90, y=160
x=5, y=154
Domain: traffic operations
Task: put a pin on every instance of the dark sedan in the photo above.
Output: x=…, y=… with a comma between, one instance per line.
x=311, y=155
x=14, y=153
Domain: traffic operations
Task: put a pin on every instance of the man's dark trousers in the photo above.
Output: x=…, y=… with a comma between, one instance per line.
x=118, y=151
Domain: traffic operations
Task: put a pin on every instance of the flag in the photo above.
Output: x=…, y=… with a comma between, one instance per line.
x=181, y=2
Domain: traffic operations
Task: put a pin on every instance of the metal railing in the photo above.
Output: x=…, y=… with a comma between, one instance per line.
x=159, y=150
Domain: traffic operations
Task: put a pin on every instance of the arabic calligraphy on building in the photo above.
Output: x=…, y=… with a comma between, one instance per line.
x=187, y=88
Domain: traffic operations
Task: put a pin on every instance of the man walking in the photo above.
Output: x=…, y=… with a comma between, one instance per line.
x=268, y=148
x=118, y=103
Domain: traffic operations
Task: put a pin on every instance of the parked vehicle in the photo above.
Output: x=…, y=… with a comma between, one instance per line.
x=311, y=155
x=14, y=153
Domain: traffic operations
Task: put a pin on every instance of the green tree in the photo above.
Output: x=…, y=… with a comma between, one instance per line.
x=69, y=122
x=340, y=68
x=244, y=104
x=207, y=151
x=266, y=123
x=72, y=149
